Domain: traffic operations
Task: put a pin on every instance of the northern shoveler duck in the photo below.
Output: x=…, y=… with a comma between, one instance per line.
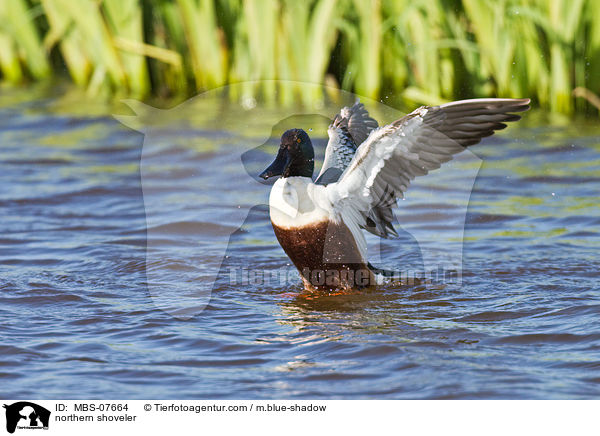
x=365, y=170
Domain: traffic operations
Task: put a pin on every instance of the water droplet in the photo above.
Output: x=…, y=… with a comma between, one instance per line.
x=248, y=103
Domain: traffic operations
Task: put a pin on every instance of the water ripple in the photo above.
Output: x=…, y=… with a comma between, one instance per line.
x=79, y=319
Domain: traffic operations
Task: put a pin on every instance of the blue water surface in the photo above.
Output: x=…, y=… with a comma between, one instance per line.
x=86, y=311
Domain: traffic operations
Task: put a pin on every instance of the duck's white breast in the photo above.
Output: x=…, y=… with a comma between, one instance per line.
x=298, y=202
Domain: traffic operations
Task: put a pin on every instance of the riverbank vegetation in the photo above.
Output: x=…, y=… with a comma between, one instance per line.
x=414, y=51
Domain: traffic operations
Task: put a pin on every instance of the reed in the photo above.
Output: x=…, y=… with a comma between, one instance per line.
x=20, y=44
x=407, y=51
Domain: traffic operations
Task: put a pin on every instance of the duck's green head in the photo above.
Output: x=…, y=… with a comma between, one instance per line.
x=295, y=158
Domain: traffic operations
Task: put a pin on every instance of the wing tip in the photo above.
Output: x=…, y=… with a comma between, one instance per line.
x=517, y=102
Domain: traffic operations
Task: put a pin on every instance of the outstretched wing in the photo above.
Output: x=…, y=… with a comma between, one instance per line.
x=349, y=129
x=392, y=156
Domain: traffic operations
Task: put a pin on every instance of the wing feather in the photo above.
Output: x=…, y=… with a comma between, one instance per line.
x=348, y=130
x=420, y=142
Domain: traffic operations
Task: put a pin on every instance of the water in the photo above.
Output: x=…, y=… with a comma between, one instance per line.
x=82, y=315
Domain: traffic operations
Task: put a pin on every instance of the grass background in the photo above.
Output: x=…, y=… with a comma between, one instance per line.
x=411, y=51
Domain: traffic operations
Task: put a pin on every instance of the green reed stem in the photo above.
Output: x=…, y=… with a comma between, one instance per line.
x=412, y=51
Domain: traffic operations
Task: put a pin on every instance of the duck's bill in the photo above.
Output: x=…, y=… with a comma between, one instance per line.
x=278, y=167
